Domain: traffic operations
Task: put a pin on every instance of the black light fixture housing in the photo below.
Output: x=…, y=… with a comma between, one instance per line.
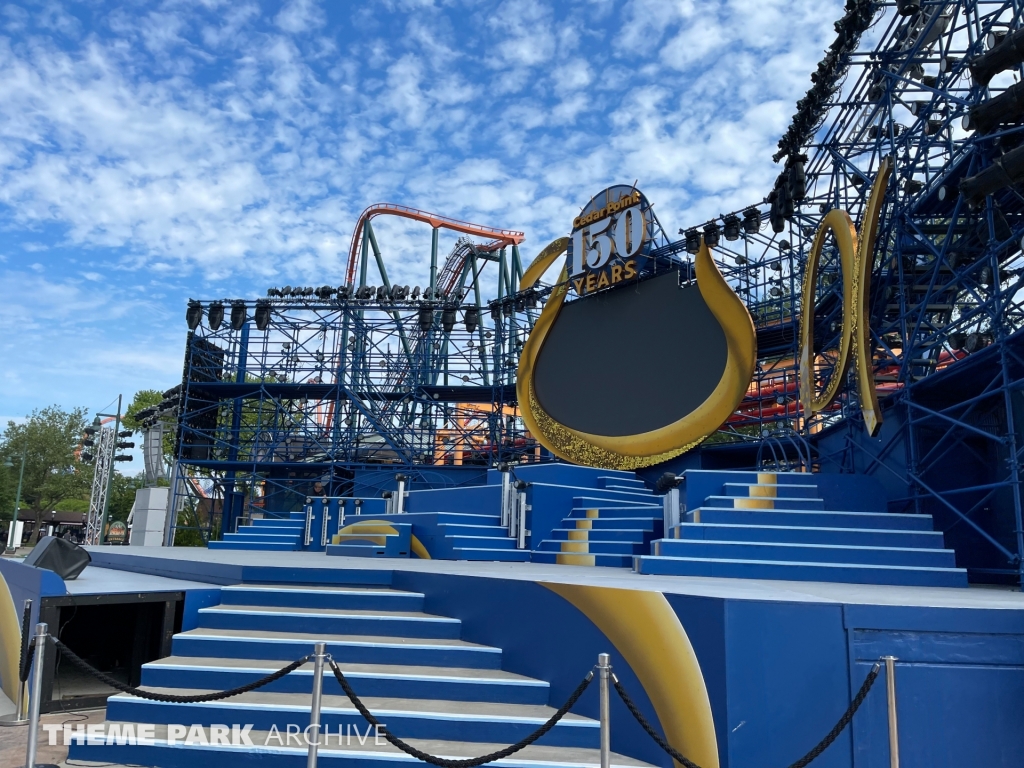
x=1004, y=171
x=237, y=315
x=262, y=314
x=215, y=315
x=448, y=319
x=1007, y=53
x=732, y=227
x=692, y=240
x=472, y=319
x=751, y=221
x=426, y=317
x=712, y=234
x=194, y=314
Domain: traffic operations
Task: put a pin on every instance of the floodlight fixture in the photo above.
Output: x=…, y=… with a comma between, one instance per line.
x=194, y=315
x=215, y=315
x=237, y=315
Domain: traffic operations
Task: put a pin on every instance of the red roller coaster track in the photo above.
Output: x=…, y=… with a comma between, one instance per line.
x=500, y=236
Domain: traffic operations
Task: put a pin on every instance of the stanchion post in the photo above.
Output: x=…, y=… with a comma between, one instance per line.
x=319, y=651
x=604, y=672
x=890, y=690
x=35, y=701
x=19, y=717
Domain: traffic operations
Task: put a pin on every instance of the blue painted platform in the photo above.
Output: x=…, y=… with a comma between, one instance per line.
x=471, y=654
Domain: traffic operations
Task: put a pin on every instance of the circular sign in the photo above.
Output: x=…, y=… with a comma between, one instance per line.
x=117, y=532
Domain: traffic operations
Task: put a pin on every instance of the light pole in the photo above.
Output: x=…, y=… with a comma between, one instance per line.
x=11, y=546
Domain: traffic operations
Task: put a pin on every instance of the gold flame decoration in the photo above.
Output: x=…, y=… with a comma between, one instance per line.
x=645, y=448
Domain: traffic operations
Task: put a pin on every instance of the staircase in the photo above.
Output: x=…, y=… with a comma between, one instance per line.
x=776, y=526
x=602, y=532
x=372, y=539
x=270, y=534
x=412, y=669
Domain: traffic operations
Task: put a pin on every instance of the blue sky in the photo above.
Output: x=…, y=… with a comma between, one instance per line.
x=151, y=152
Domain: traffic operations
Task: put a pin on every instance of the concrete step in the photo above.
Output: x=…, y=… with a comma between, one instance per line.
x=631, y=523
x=492, y=555
x=412, y=718
x=343, y=598
x=399, y=624
x=356, y=649
x=756, y=490
x=643, y=512
x=817, y=553
x=857, y=537
x=795, y=571
x=594, y=547
x=369, y=753
x=762, y=502
x=813, y=519
x=257, y=546
x=569, y=558
x=451, y=683
x=636, y=535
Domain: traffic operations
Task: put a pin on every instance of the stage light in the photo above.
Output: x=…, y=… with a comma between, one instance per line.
x=325, y=292
x=344, y=291
x=448, y=319
x=912, y=186
x=472, y=319
x=88, y=443
x=125, y=444
x=976, y=341
x=215, y=315
x=382, y=293
x=90, y=430
x=426, y=317
x=712, y=233
x=1004, y=171
x=751, y=221
x=1008, y=53
x=237, y=315
x=796, y=179
x=496, y=312
x=262, y=315
x=415, y=293
x=933, y=126
x=86, y=458
x=286, y=291
x=194, y=315
x=957, y=340
x=908, y=7
x=125, y=433
x=123, y=458
x=273, y=292
x=692, y=240
x=1007, y=107
x=784, y=246
x=732, y=227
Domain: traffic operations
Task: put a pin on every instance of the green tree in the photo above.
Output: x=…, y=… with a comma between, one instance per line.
x=122, y=494
x=144, y=398
x=48, y=440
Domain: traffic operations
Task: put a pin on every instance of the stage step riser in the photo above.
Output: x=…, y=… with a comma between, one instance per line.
x=791, y=491
x=359, y=550
x=762, y=502
x=490, y=531
x=492, y=555
x=572, y=558
x=641, y=512
x=671, y=566
x=406, y=724
x=594, y=547
x=262, y=538
x=258, y=621
x=621, y=482
x=482, y=542
x=926, y=558
x=629, y=523
x=630, y=536
x=789, y=534
x=292, y=598
x=301, y=681
x=261, y=546
x=282, y=757
x=590, y=502
x=409, y=655
x=815, y=519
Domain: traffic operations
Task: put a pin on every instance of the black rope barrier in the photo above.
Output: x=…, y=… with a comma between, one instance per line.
x=27, y=643
x=470, y=762
x=801, y=763
x=106, y=679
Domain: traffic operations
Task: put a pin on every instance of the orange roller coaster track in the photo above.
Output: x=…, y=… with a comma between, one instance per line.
x=500, y=236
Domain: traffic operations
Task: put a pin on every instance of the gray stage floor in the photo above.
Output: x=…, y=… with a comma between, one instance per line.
x=736, y=589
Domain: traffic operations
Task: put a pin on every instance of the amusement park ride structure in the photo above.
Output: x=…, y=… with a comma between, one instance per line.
x=326, y=384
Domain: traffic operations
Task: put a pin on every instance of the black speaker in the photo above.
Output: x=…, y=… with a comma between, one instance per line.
x=62, y=557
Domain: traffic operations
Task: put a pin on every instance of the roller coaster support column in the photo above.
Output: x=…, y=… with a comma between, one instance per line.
x=433, y=262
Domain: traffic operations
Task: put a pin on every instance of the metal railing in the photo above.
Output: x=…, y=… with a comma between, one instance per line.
x=321, y=658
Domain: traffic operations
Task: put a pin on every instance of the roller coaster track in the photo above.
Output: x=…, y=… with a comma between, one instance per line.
x=498, y=236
